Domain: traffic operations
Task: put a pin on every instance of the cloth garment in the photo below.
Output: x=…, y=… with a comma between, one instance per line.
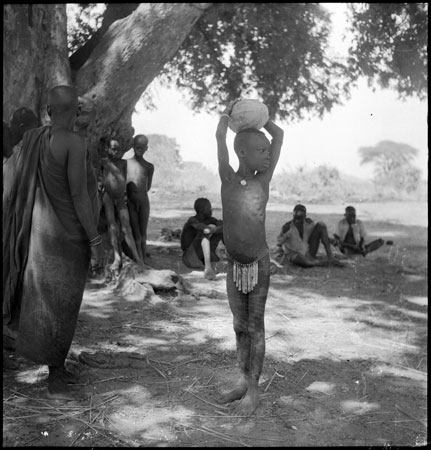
x=47, y=249
x=358, y=229
x=290, y=240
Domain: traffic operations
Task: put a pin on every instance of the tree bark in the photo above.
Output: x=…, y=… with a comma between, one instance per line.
x=34, y=54
x=113, y=12
x=129, y=56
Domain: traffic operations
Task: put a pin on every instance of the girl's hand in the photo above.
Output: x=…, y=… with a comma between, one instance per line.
x=229, y=107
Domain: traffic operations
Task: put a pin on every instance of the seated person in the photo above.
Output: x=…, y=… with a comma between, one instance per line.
x=300, y=238
x=199, y=238
x=351, y=235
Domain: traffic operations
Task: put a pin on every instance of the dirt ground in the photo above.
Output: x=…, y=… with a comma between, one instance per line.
x=346, y=352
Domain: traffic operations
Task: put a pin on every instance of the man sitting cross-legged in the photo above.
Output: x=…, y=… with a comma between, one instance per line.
x=300, y=238
x=351, y=236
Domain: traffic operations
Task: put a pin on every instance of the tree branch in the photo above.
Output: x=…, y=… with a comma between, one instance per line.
x=113, y=12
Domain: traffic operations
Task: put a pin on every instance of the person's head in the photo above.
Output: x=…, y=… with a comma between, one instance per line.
x=63, y=103
x=140, y=145
x=252, y=149
x=350, y=214
x=299, y=214
x=23, y=119
x=113, y=149
x=203, y=207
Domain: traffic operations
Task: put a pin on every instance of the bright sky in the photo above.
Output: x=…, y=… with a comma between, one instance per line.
x=364, y=120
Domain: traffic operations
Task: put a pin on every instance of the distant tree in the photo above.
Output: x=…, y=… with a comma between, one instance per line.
x=322, y=183
x=393, y=166
x=387, y=156
x=406, y=179
x=328, y=176
x=390, y=46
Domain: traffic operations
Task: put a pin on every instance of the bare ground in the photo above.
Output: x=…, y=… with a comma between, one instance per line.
x=346, y=355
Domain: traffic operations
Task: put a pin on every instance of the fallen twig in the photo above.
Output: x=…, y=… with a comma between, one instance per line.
x=422, y=422
x=272, y=335
x=108, y=379
x=160, y=373
x=31, y=440
x=160, y=362
x=156, y=369
x=302, y=377
x=409, y=368
x=223, y=367
x=218, y=435
x=85, y=427
x=411, y=429
x=91, y=404
x=270, y=381
x=188, y=362
x=206, y=401
x=399, y=343
x=194, y=382
x=211, y=377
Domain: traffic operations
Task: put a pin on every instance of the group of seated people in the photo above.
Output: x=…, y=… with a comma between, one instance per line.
x=297, y=243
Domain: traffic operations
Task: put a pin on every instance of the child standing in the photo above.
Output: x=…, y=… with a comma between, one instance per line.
x=139, y=178
x=244, y=197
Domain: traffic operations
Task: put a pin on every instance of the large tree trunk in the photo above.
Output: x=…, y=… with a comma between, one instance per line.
x=34, y=54
x=128, y=57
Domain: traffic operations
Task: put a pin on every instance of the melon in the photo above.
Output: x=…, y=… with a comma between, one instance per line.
x=248, y=113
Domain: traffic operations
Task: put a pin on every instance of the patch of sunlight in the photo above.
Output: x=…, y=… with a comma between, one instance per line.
x=198, y=338
x=415, y=314
x=339, y=324
x=130, y=347
x=98, y=313
x=398, y=371
x=164, y=243
x=321, y=386
x=93, y=306
x=166, y=325
x=170, y=213
x=292, y=400
x=379, y=233
x=357, y=407
x=421, y=301
x=413, y=278
x=136, y=394
x=154, y=342
x=32, y=376
x=149, y=420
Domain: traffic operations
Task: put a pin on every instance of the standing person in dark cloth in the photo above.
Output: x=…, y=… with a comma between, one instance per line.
x=139, y=178
x=200, y=237
x=351, y=235
x=50, y=215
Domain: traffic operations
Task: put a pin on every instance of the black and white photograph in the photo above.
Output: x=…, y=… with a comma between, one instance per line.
x=215, y=225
